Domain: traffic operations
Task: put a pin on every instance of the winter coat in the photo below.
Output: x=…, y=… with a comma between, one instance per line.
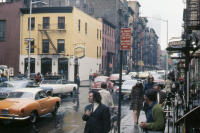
x=136, y=98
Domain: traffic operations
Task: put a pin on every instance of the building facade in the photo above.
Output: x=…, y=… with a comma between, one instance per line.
x=108, y=46
x=10, y=33
x=60, y=35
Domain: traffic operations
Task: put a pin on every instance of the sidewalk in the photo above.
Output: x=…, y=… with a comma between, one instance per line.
x=85, y=83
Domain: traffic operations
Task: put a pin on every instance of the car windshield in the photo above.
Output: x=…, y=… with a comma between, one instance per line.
x=6, y=85
x=129, y=82
x=49, y=82
x=32, y=84
x=100, y=80
x=160, y=72
x=26, y=95
x=114, y=75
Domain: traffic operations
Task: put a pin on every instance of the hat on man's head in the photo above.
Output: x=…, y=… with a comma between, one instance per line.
x=151, y=94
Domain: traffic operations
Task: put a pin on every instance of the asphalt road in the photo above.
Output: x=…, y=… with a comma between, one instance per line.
x=67, y=120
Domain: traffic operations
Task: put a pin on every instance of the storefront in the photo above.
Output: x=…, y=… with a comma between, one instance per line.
x=46, y=65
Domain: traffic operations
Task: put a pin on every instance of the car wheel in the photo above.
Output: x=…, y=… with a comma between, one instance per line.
x=33, y=117
x=55, y=110
x=59, y=95
x=73, y=92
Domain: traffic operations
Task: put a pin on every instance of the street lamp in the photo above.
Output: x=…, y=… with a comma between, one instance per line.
x=141, y=54
x=29, y=46
x=167, y=38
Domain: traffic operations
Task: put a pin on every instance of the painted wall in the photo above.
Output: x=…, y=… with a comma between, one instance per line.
x=73, y=38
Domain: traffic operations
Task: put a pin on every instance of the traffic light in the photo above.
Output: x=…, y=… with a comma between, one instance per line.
x=67, y=56
x=71, y=56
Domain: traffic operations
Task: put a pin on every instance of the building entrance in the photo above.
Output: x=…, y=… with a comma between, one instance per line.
x=46, y=65
x=63, y=67
x=32, y=65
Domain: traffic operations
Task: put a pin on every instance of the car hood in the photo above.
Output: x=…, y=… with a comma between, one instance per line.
x=12, y=103
x=6, y=89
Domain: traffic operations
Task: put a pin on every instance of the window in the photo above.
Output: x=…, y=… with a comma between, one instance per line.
x=105, y=43
x=46, y=22
x=77, y=2
x=97, y=33
x=79, y=25
x=32, y=23
x=42, y=94
x=112, y=33
x=103, y=29
x=97, y=51
x=45, y=46
x=85, y=28
x=100, y=52
x=61, y=46
x=2, y=29
x=100, y=34
x=61, y=22
x=108, y=31
x=32, y=47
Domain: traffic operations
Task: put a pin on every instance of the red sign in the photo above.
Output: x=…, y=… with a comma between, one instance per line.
x=125, y=39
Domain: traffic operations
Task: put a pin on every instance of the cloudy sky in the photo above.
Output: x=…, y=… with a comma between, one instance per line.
x=171, y=10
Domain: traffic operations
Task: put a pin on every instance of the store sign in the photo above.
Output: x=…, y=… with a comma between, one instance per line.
x=177, y=44
x=125, y=39
x=79, y=52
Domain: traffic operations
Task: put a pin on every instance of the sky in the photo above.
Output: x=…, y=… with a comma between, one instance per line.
x=171, y=10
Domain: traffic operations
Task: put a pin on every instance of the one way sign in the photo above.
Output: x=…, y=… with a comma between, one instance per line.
x=29, y=39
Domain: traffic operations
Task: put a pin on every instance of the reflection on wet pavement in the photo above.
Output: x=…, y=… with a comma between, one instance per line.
x=67, y=120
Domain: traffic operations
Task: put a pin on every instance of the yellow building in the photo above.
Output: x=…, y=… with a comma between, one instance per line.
x=60, y=35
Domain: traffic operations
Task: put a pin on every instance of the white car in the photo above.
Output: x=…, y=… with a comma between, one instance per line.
x=127, y=87
x=60, y=86
x=134, y=74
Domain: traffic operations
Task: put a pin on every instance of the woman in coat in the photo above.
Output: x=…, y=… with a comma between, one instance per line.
x=136, y=101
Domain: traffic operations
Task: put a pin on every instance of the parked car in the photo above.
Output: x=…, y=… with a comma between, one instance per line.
x=59, y=85
x=124, y=77
x=25, y=103
x=134, y=74
x=143, y=75
x=158, y=79
x=114, y=77
x=127, y=87
x=100, y=79
x=9, y=86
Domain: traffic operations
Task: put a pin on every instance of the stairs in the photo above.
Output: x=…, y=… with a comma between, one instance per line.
x=45, y=32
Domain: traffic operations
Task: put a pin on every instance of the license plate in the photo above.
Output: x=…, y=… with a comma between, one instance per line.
x=4, y=112
x=127, y=94
x=98, y=86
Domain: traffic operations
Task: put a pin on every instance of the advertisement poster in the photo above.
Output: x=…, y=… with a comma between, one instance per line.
x=6, y=73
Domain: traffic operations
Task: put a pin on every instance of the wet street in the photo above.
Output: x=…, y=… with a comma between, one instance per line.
x=67, y=120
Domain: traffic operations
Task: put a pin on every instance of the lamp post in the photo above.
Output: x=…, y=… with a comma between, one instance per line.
x=29, y=45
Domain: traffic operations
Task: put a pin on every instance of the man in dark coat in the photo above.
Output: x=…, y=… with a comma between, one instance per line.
x=161, y=95
x=148, y=85
x=96, y=114
x=77, y=80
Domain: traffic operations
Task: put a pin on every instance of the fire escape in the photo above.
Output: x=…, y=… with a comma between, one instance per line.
x=193, y=16
x=49, y=31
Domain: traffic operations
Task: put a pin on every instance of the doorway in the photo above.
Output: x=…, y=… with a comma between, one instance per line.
x=46, y=65
x=63, y=67
x=32, y=65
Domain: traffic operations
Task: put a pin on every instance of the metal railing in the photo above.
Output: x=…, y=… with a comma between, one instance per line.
x=59, y=27
x=49, y=51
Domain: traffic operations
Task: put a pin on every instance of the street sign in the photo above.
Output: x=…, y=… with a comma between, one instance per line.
x=125, y=39
x=26, y=48
x=29, y=39
x=177, y=44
